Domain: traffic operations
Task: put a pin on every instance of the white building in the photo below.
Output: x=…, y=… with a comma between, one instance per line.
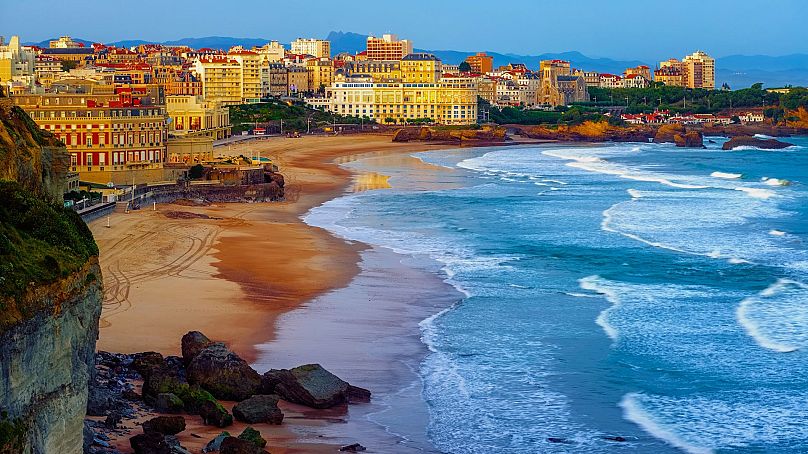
x=319, y=48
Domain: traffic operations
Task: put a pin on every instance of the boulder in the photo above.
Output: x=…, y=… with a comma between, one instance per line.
x=223, y=373
x=102, y=401
x=667, y=133
x=216, y=444
x=356, y=447
x=162, y=379
x=311, y=385
x=233, y=445
x=174, y=445
x=257, y=409
x=357, y=394
x=749, y=141
x=691, y=139
x=168, y=403
x=144, y=362
x=193, y=342
x=253, y=436
x=213, y=414
x=166, y=425
x=150, y=443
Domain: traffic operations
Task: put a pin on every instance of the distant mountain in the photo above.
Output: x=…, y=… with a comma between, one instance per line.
x=346, y=42
x=213, y=42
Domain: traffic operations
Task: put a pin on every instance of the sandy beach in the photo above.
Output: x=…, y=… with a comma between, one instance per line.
x=235, y=269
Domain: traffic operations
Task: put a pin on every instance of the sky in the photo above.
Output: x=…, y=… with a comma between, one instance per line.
x=641, y=30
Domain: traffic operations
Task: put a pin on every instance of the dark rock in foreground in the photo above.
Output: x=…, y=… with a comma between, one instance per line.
x=168, y=403
x=253, y=436
x=356, y=447
x=150, y=443
x=257, y=409
x=223, y=373
x=193, y=342
x=233, y=445
x=749, y=141
x=313, y=386
x=166, y=425
x=214, y=414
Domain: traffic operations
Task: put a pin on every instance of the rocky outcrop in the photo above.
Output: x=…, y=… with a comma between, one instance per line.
x=748, y=141
x=313, y=386
x=454, y=136
x=679, y=135
x=46, y=361
x=589, y=131
x=259, y=409
x=192, y=343
x=234, y=445
x=223, y=373
x=166, y=425
x=29, y=155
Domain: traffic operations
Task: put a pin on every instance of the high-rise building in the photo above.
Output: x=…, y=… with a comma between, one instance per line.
x=699, y=70
x=480, y=63
x=388, y=47
x=319, y=48
x=221, y=78
x=250, y=75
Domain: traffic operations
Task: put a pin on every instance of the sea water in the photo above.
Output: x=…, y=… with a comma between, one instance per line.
x=617, y=298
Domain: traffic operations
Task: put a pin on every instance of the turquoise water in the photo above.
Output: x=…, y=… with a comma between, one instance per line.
x=630, y=290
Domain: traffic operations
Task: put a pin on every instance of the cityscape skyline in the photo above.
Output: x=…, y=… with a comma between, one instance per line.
x=742, y=30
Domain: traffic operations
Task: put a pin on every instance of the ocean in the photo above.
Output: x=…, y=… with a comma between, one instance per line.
x=614, y=298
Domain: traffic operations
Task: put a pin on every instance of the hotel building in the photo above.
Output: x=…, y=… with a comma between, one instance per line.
x=192, y=116
x=481, y=63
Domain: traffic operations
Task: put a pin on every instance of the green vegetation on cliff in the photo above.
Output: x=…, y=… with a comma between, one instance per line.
x=296, y=116
x=40, y=242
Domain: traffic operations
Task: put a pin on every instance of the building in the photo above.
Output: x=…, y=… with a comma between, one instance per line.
x=449, y=69
x=319, y=48
x=481, y=63
x=559, y=86
x=298, y=80
x=388, y=47
x=450, y=100
x=113, y=134
x=378, y=70
x=671, y=76
x=272, y=51
x=192, y=116
x=635, y=81
x=751, y=117
x=250, y=75
x=321, y=73
x=64, y=42
x=221, y=78
x=699, y=70
x=610, y=81
x=420, y=68
x=641, y=70
x=17, y=63
x=274, y=80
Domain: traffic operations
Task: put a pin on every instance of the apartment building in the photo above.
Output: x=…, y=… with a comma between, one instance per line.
x=699, y=70
x=420, y=68
x=272, y=51
x=319, y=48
x=321, y=73
x=388, y=47
x=221, y=78
x=481, y=63
x=250, y=75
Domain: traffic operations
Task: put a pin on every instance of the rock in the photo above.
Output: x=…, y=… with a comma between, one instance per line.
x=223, y=373
x=163, y=379
x=691, y=139
x=87, y=435
x=150, y=443
x=257, y=409
x=356, y=447
x=166, y=425
x=168, y=403
x=216, y=444
x=253, y=436
x=559, y=440
x=749, y=141
x=311, y=385
x=101, y=401
x=213, y=414
x=616, y=438
x=357, y=394
x=144, y=362
x=175, y=446
x=233, y=445
x=667, y=133
x=193, y=342
x=113, y=419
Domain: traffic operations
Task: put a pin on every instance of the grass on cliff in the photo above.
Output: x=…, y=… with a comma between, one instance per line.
x=39, y=242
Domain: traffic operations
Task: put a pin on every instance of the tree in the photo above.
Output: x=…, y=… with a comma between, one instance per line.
x=757, y=86
x=465, y=67
x=196, y=172
x=67, y=65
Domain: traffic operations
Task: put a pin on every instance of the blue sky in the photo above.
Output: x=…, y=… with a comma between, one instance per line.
x=622, y=29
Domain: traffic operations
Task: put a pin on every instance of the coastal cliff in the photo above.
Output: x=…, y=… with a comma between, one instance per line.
x=50, y=295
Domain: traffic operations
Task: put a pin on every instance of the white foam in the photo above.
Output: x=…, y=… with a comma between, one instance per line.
x=758, y=193
x=775, y=181
x=777, y=318
x=727, y=176
x=763, y=136
x=777, y=232
x=593, y=283
x=635, y=194
x=633, y=411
